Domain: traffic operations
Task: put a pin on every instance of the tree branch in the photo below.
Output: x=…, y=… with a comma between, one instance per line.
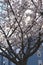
x=9, y=44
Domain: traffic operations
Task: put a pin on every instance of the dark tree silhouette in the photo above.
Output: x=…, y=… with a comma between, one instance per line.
x=22, y=33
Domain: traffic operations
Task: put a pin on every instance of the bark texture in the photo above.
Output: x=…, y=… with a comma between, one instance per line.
x=22, y=63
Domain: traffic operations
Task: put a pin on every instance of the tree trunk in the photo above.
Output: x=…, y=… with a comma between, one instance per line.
x=22, y=63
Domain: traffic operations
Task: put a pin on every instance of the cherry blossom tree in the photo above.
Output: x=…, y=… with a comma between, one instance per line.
x=21, y=31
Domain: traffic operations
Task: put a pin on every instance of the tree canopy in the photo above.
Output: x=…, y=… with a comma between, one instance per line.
x=21, y=29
